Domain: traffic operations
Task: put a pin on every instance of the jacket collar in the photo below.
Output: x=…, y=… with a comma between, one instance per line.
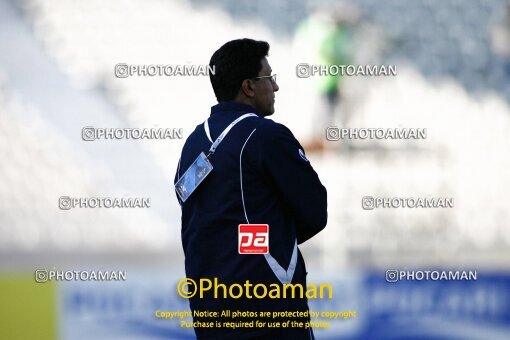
x=232, y=106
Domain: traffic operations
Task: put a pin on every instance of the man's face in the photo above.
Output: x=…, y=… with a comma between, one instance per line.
x=264, y=90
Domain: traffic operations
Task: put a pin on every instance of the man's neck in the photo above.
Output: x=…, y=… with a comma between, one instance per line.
x=243, y=100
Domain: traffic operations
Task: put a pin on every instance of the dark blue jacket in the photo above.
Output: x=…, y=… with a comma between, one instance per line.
x=261, y=175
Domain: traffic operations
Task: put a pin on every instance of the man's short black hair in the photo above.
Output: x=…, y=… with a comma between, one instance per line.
x=234, y=62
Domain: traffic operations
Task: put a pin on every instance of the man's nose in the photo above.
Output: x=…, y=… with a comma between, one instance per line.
x=275, y=87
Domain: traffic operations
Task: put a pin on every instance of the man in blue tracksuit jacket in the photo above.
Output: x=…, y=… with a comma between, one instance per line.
x=260, y=176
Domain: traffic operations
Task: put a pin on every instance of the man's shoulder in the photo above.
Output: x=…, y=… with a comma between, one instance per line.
x=267, y=131
x=270, y=129
x=194, y=137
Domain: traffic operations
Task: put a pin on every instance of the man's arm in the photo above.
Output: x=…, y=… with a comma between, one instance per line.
x=284, y=162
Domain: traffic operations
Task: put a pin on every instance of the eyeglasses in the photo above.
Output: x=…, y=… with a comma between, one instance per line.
x=273, y=78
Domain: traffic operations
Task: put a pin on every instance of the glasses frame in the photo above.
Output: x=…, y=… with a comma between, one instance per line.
x=272, y=78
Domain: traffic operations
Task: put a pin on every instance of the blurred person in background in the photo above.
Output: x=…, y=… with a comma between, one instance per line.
x=331, y=28
x=260, y=175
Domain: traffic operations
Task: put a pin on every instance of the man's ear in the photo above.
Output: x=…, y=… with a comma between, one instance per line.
x=247, y=88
